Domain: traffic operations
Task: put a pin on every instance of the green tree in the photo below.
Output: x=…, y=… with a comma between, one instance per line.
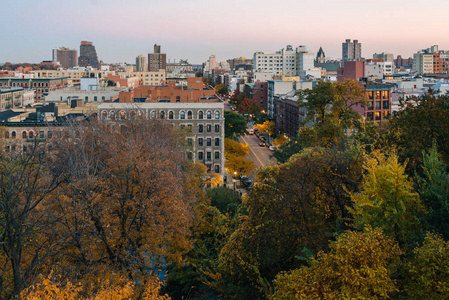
x=434, y=192
x=299, y=204
x=427, y=271
x=360, y=265
x=235, y=125
x=420, y=122
x=387, y=200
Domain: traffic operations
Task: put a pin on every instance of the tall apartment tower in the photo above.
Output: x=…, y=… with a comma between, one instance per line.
x=157, y=60
x=67, y=58
x=88, y=55
x=141, y=63
x=351, y=51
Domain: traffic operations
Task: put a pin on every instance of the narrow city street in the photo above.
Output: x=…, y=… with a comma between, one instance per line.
x=260, y=155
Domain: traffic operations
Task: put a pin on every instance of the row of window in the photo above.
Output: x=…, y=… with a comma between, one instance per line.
x=378, y=94
x=183, y=115
x=208, y=142
x=208, y=128
x=378, y=105
x=208, y=156
x=377, y=116
x=28, y=135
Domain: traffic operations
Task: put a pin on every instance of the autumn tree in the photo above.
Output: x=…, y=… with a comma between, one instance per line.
x=237, y=98
x=28, y=180
x=387, y=200
x=426, y=272
x=248, y=106
x=221, y=89
x=236, y=158
x=126, y=205
x=360, y=265
x=267, y=127
x=280, y=140
x=235, y=125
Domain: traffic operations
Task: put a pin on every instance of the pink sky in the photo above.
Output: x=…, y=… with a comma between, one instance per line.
x=194, y=29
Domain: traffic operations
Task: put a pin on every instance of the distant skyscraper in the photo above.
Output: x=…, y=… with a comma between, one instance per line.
x=88, y=55
x=157, y=60
x=351, y=51
x=141, y=63
x=67, y=58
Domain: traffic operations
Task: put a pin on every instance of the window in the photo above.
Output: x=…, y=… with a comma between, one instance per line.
x=217, y=128
x=209, y=142
x=370, y=105
x=189, y=155
x=377, y=94
x=41, y=134
x=13, y=135
x=104, y=115
x=132, y=115
x=200, y=115
x=122, y=115
x=50, y=134
x=112, y=114
x=182, y=115
x=200, y=142
x=378, y=104
x=384, y=94
x=189, y=115
x=217, y=168
x=103, y=98
x=209, y=115
x=200, y=128
x=6, y=134
x=217, y=115
x=386, y=114
x=162, y=114
x=86, y=98
x=209, y=128
x=95, y=98
x=24, y=135
x=369, y=116
x=170, y=115
x=217, y=155
x=208, y=155
x=217, y=142
x=189, y=142
x=153, y=114
x=385, y=104
x=377, y=115
x=200, y=155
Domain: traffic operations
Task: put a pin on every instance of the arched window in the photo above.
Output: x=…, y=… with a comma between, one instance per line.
x=209, y=115
x=6, y=134
x=112, y=115
x=104, y=115
x=24, y=134
x=153, y=114
x=13, y=134
x=122, y=115
x=182, y=115
x=217, y=114
x=170, y=115
x=200, y=115
x=103, y=98
x=86, y=99
x=95, y=98
x=162, y=114
x=132, y=115
x=31, y=134
x=140, y=114
x=189, y=115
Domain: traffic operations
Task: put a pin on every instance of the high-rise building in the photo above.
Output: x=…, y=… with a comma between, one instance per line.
x=157, y=60
x=67, y=58
x=287, y=62
x=384, y=56
x=351, y=51
x=88, y=55
x=141, y=63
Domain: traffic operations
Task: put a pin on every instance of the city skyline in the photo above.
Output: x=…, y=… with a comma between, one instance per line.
x=193, y=30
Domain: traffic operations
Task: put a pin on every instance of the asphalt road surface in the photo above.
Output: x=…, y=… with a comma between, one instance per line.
x=259, y=155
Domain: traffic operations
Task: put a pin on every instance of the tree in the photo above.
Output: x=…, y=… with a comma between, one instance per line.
x=221, y=89
x=280, y=140
x=235, y=125
x=359, y=266
x=421, y=122
x=268, y=127
x=248, y=106
x=237, y=98
x=387, y=200
x=128, y=202
x=434, y=191
x=299, y=204
x=427, y=271
x=236, y=161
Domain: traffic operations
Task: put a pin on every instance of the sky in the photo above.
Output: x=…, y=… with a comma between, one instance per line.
x=195, y=29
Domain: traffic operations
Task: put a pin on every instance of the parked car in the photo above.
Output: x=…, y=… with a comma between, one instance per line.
x=268, y=144
x=273, y=148
x=262, y=144
x=251, y=131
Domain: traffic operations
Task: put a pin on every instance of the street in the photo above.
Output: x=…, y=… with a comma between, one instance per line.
x=260, y=155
